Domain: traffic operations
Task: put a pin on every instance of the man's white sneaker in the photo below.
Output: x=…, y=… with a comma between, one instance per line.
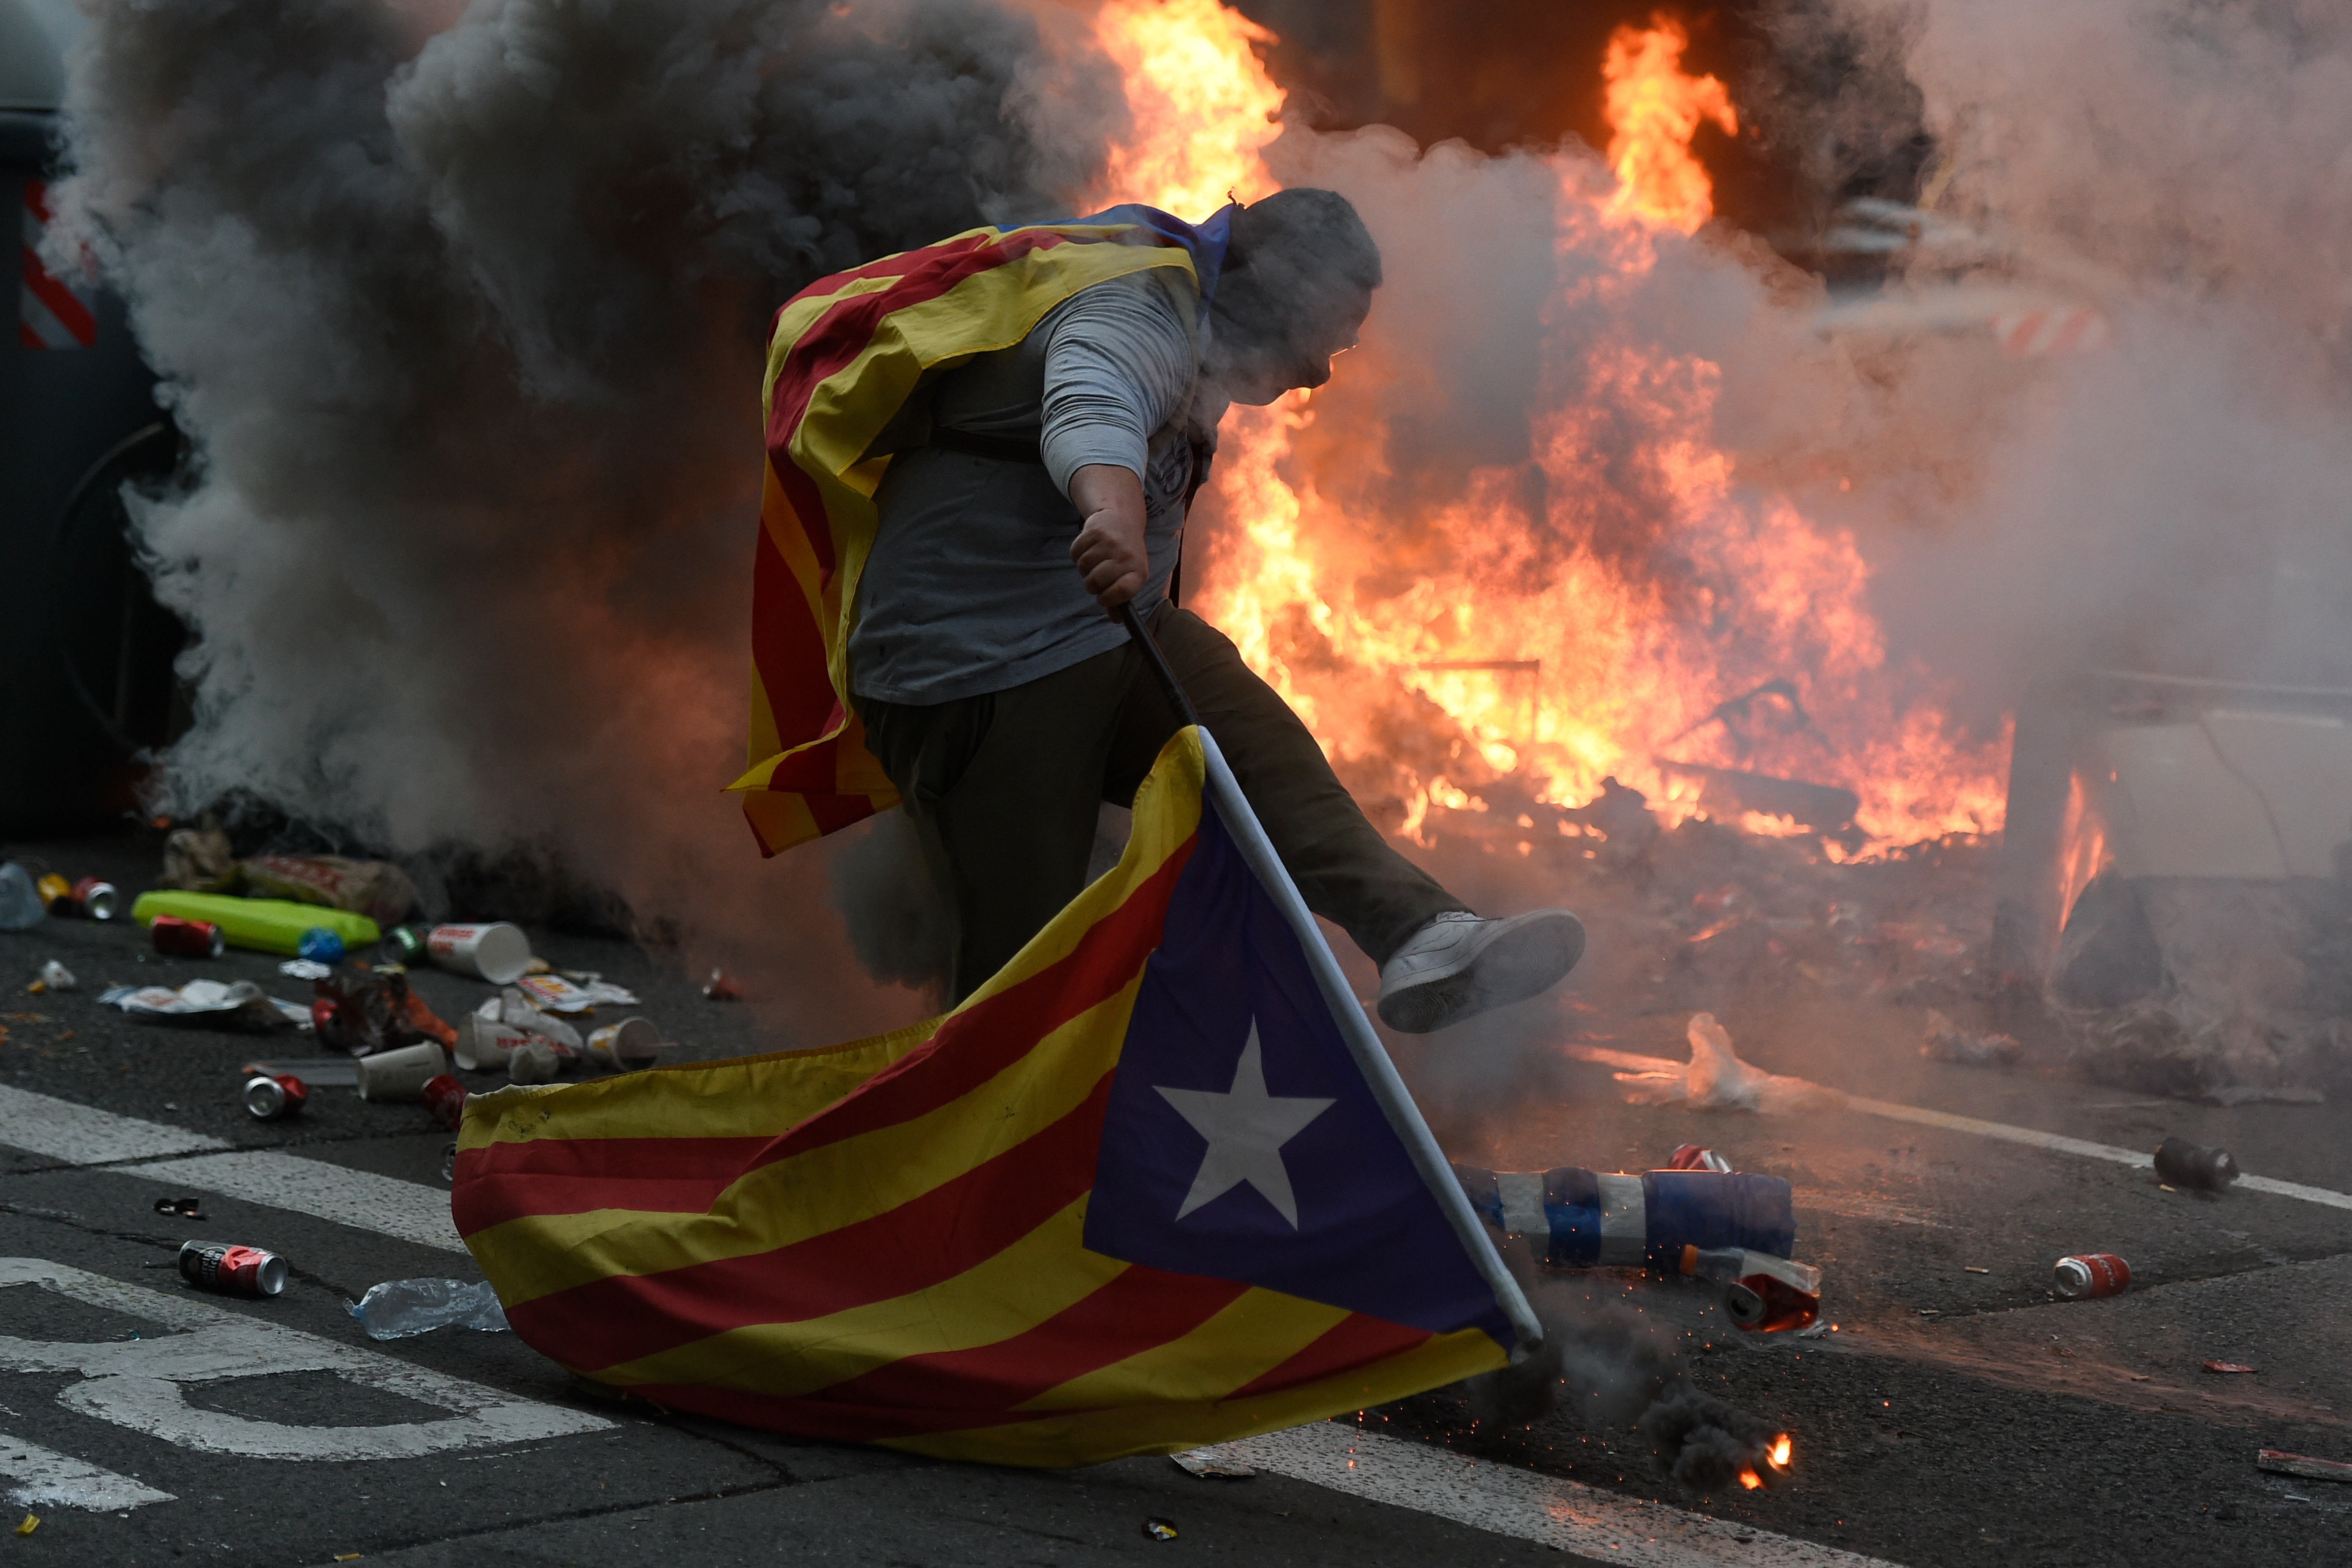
x=1459, y=966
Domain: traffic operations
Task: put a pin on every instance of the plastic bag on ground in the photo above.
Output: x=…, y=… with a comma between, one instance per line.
x=400, y=1308
x=1716, y=1079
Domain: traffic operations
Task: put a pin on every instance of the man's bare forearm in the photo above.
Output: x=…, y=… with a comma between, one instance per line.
x=1108, y=550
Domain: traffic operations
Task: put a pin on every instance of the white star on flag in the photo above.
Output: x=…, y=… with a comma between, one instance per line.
x=1246, y=1129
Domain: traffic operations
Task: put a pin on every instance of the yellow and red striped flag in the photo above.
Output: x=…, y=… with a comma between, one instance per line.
x=845, y=356
x=1155, y=1184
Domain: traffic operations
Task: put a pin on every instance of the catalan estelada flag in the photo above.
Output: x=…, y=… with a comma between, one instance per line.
x=844, y=356
x=1155, y=1184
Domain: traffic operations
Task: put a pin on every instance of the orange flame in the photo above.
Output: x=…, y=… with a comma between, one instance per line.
x=1493, y=659
x=1653, y=112
x=1781, y=1448
x=1750, y=1479
x=1203, y=103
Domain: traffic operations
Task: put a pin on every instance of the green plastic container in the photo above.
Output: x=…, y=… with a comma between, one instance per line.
x=265, y=925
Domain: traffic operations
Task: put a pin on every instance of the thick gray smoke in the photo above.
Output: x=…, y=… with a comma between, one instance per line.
x=463, y=310
x=2176, y=503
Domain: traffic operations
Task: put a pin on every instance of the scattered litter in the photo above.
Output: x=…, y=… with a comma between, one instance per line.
x=1211, y=1462
x=20, y=904
x=275, y=1097
x=401, y=1074
x=1972, y=1269
x=722, y=987
x=2139, y=1376
x=1816, y=1332
x=445, y=1097
x=264, y=925
x=2231, y=1368
x=1947, y=1042
x=401, y=1308
x=1716, y=1079
x=626, y=1047
x=304, y=968
x=91, y=899
x=228, y=1269
x=347, y=1556
x=488, y=1037
x=238, y=1003
x=2185, y=1164
x=539, y=1060
x=30, y=1523
x=496, y=952
x=555, y=993
x=1160, y=1530
x=2084, y=1274
x=376, y=889
x=178, y=938
x=55, y=976
x=1763, y=1294
x=322, y=1072
x=2279, y=1462
x=361, y=1014
x=182, y=1208
x=321, y=945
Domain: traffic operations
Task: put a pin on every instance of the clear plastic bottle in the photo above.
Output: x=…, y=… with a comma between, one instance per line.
x=398, y=1309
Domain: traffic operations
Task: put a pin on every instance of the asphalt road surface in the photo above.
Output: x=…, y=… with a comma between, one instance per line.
x=1958, y=1414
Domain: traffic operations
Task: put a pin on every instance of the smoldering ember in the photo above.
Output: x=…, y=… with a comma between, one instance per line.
x=1002, y=781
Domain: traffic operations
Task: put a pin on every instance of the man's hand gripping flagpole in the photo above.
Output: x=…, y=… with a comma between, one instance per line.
x=1355, y=1028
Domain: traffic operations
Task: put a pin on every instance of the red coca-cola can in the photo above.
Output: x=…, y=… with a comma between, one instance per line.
x=275, y=1097
x=188, y=939
x=95, y=897
x=445, y=1097
x=229, y=1269
x=1698, y=1157
x=2083, y=1274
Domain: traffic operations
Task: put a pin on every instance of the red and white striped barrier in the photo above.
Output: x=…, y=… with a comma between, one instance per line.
x=2030, y=334
x=51, y=313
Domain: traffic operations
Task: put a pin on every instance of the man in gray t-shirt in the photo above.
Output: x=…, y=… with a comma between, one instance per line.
x=1004, y=700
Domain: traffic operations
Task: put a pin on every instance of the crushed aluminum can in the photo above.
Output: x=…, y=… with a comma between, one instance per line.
x=2193, y=1165
x=407, y=945
x=228, y=1269
x=1695, y=1157
x=188, y=939
x=96, y=899
x=1159, y=1529
x=445, y=1097
x=275, y=1097
x=56, y=976
x=1763, y=1294
x=2082, y=1276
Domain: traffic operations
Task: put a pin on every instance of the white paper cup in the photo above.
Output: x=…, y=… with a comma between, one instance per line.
x=484, y=1043
x=497, y=952
x=401, y=1074
x=534, y=1061
x=626, y=1045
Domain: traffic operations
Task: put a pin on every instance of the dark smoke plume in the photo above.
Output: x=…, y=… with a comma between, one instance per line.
x=1615, y=1370
x=462, y=310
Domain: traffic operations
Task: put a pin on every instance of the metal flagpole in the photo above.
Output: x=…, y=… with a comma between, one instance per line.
x=1177, y=701
x=1371, y=1059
